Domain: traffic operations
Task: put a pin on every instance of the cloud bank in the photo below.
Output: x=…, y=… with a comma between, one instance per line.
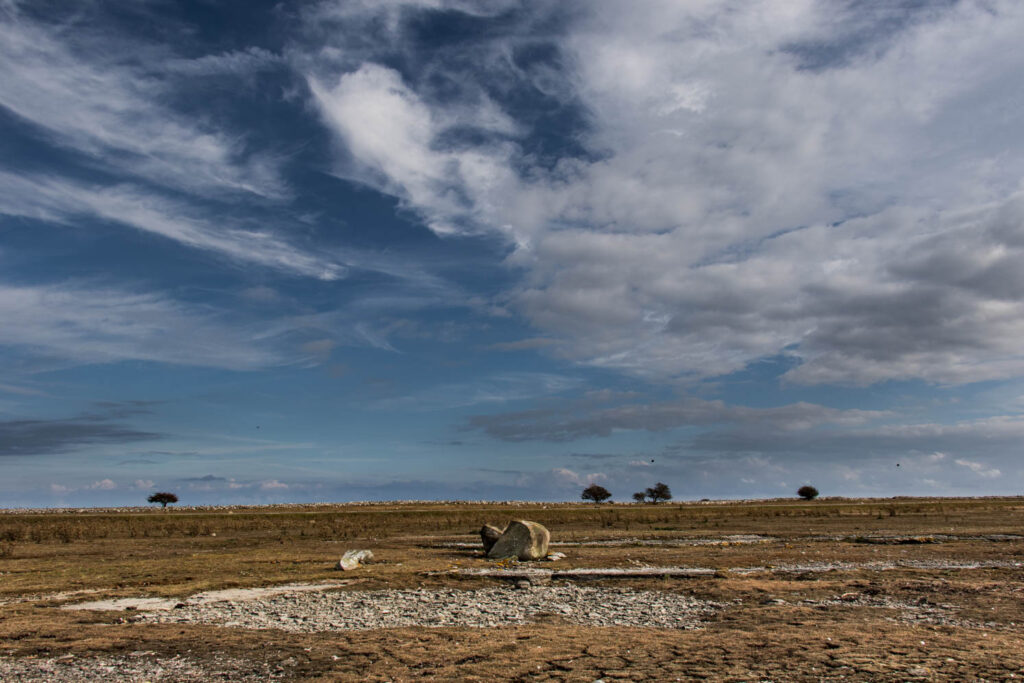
x=835, y=181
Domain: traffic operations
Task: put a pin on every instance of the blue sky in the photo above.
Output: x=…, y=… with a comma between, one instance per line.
x=349, y=250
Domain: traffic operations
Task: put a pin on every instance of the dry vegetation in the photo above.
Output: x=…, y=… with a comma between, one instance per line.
x=801, y=624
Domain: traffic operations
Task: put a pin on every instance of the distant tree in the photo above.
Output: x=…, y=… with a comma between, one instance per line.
x=639, y=496
x=163, y=497
x=596, y=493
x=807, y=492
x=658, y=493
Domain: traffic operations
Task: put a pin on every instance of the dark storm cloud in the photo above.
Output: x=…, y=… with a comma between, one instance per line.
x=42, y=437
x=595, y=456
x=109, y=410
x=97, y=426
x=579, y=422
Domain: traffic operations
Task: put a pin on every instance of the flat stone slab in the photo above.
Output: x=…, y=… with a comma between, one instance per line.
x=209, y=597
x=589, y=573
x=582, y=573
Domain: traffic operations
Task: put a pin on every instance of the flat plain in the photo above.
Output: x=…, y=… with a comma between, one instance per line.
x=782, y=590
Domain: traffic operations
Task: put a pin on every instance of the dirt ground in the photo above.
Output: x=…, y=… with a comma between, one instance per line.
x=831, y=590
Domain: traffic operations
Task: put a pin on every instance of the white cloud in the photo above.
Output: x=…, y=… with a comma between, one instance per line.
x=567, y=477
x=980, y=469
x=272, y=484
x=390, y=135
x=799, y=178
x=103, y=485
x=143, y=484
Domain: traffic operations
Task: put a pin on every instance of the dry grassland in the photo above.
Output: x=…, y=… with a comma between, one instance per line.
x=897, y=589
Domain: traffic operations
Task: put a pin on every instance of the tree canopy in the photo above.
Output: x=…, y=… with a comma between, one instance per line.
x=596, y=493
x=807, y=492
x=659, y=492
x=163, y=497
x=655, y=494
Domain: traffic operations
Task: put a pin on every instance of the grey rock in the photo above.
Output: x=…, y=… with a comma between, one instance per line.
x=489, y=535
x=521, y=540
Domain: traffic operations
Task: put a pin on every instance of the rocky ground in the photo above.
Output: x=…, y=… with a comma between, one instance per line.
x=135, y=667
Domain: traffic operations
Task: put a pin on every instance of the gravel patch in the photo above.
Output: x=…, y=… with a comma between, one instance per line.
x=484, y=608
x=813, y=567
x=920, y=611
x=139, y=666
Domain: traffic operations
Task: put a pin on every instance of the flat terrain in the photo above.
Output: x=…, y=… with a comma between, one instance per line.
x=894, y=589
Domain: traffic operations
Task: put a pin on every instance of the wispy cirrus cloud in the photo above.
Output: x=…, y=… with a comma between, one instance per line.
x=21, y=390
x=60, y=200
x=496, y=388
x=84, y=92
x=86, y=323
x=244, y=63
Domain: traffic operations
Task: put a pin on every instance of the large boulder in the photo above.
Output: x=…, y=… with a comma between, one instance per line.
x=522, y=540
x=489, y=535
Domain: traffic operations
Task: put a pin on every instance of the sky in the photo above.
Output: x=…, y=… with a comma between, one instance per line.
x=260, y=252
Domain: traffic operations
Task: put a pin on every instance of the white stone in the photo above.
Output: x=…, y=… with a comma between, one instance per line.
x=353, y=558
